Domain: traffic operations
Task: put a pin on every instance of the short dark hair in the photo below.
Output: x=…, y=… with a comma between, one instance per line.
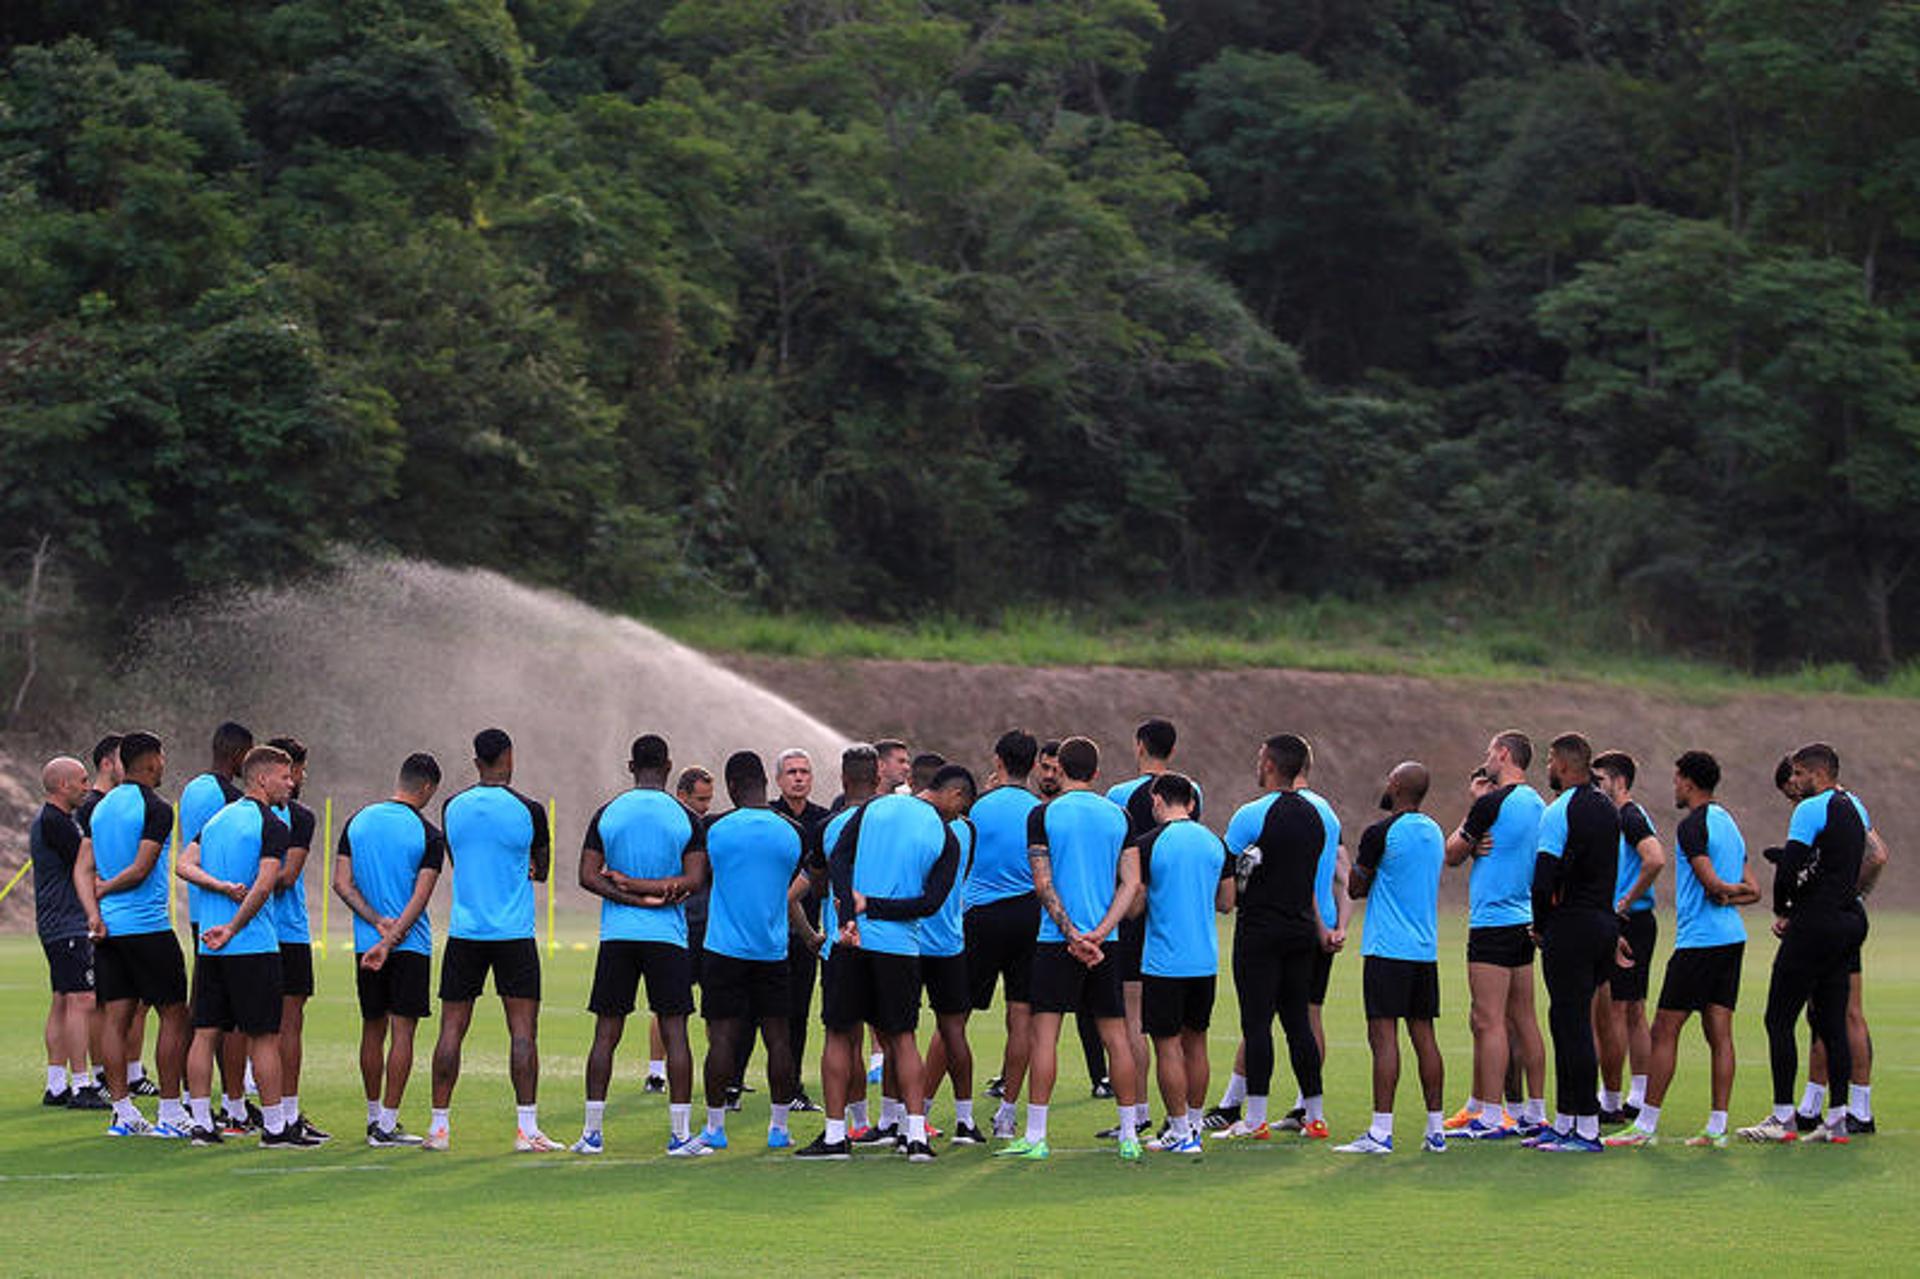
x=745, y=769
x=1158, y=737
x=231, y=739
x=263, y=757
x=1172, y=788
x=489, y=744
x=951, y=775
x=1050, y=749
x=1819, y=755
x=1517, y=744
x=860, y=763
x=106, y=746
x=1783, y=772
x=1290, y=754
x=419, y=771
x=691, y=777
x=1016, y=750
x=1619, y=764
x=929, y=759
x=649, y=754
x=136, y=746
x=1700, y=768
x=1079, y=758
x=888, y=745
x=1574, y=748
x=295, y=748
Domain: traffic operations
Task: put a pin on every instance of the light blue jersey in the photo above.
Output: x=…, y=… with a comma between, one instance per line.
x=1000, y=866
x=494, y=833
x=644, y=833
x=1500, y=885
x=755, y=853
x=1182, y=864
x=1083, y=833
x=387, y=845
x=1708, y=831
x=1406, y=853
x=233, y=844
x=127, y=816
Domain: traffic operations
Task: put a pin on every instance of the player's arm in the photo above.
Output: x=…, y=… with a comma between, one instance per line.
x=933, y=890
x=797, y=922
x=190, y=869
x=1143, y=854
x=250, y=903
x=1873, y=863
x=1466, y=842
x=1041, y=860
x=1343, y=888
x=540, y=854
x=597, y=879
x=1373, y=848
x=1717, y=889
x=85, y=882
x=145, y=858
x=1126, y=888
x=1653, y=860
x=347, y=891
x=293, y=867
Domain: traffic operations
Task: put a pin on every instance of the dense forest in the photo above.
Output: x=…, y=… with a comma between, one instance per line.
x=885, y=306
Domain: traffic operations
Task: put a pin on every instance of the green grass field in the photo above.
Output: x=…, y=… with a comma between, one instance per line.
x=80, y=1200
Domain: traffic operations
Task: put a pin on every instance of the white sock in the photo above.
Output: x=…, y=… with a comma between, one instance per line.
x=290, y=1106
x=1313, y=1106
x=125, y=1111
x=916, y=1128
x=1562, y=1122
x=836, y=1131
x=963, y=1112
x=386, y=1120
x=275, y=1121
x=1236, y=1090
x=235, y=1107
x=1036, y=1122
x=528, y=1117
x=716, y=1119
x=680, y=1115
x=202, y=1108
x=1717, y=1122
x=1196, y=1119
x=1177, y=1129
x=56, y=1079
x=248, y=1086
x=1649, y=1118
x=172, y=1112
x=857, y=1113
x=373, y=1111
x=135, y=1072
x=656, y=1069
x=1003, y=1114
x=436, y=1121
x=1609, y=1100
x=1476, y=1107
x=1637, y=1091
x=1785, y=1114
x=1536, y=1111
x=1256, y=1113
x=1812, y=1099
x=1382, y=1129
x=1436, y=1122
x=1860, y=1101
x=892, y=1113
x=1588, y=1126
x=778, y=1122
x=596, y=1117
x=1126, y=1125
x=1837, y=1117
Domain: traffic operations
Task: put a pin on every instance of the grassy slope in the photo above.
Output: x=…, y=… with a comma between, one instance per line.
x=167, y=1208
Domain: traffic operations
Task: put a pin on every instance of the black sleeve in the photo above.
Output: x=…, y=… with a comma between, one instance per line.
x=1227, y=866
x=1145, y=845
x=303, y=826
x=1634, y=826
x=592, y=838
x=840, y=864
x=158, y=825
x=1484, y=813
x=275, y=837
x=1037, y=827
x=1546, y=882
x=83, y=818
x=697, y=841
x=434, y=856
x=542, y=849
x=63, y=839
x=1373, y=846
x=933, y=892
x=1786, y=875
x=1692, y=834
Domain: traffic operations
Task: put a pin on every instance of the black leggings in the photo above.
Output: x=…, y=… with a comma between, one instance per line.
x=1576, y=957
x=1271, y=981
x=1810, y=970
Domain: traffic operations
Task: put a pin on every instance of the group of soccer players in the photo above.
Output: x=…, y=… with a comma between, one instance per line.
x=919, y=883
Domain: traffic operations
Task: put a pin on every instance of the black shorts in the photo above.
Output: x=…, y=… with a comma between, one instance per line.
x=1169, y=1005
x=1408, y=988
x=70, y=965
x=514, y=963
x=1128, y=941
x=1630, y=985
x=1322, y=974
x=867, y=987
x=399, y=989
x=1062, y=984
x=1703, y=975
x=1000, y=939
x=144, y=966
x=945, y=980
x=733, y=987
x=238, y=992
x=620, y=966
x=1853, y=958
x=1506, y=946
x=296, y=968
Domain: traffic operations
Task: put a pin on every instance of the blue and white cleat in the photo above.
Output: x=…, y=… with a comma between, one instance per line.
x=714, y=1138
x=1574, y=1144
x=779, y=1139
x=170, y=1132
x=590, y=1143
x=1479, y=1129
x=1192, y=1145
x=134, y=1127
x=687, y=1147
x=1435, y=1143
x=1366, y=1144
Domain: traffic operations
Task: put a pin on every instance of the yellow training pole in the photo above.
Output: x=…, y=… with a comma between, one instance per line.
x=326, y=889
x=17, y=876
x=553, y=943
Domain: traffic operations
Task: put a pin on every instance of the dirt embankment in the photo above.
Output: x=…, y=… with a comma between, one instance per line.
x=1361, y=725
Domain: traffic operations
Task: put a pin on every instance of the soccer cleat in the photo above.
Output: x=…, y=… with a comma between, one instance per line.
x=1190, y=1145
x=1366, y=1144
x=205, y=1137
x=437, y=1140
x=967, y=1135
x=733, y=1098
x=857, y=1135
x=900, y=1142
x=1103, y=1090
x=1024, y=1149
x=1574, y=1144
x=691, y=1147
x=1434, y=1143
x=1130, y=1149
x=143, y=1087
x=1461, y=1118
x=590, y=1143
x=231, y=1127
x=1163, y=1142
x=821, y=1148
x=383, y=1138
x=1612, y=1118
x=1293, y=1121
x=1534, y=1136
x=134, y=1127
x=1770, y=1129
x=1858, y=1127
x=288, y=1138
x=1478, y=1129
x=1241, y=1130
x=934, y=1131
x=655, y=1084
x=55, y=1099
x=779, y=1139
x=87, y=1099
x=1314, y=1130
x=1218, y=1117
x=919, y=1152
x=534, y=1143
x=307, y=1129
x=997, y=1088
x=714, y=1138
x=256, y=1121
x=876, y=1137
x=1828, y=1134
x=1003, y=1130
x=1805, y=1123
x=1717, y=1140
x=804, y=1105
x=1634, y=1136
x=170, y=1132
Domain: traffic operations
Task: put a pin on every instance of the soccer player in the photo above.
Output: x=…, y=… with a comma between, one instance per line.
x=1820, y=922
x=1336, y=909
x=1573, y=885
x=694, y=788
x=793, y=774
x=1047, y=780
x=499, y=846
x=202, y=797
x=755, y=855
x=1279, y=842
x=239, y=992
x=643, y=855
x=1711, y=882
x=1397, y=872
x=289, y=910
x=53, y=844
x=108, y=774
x=1620, y=1005
x=390, y=862
x=122, y=887
x=943, y=965
x=896, y=765
x=1002, y=914
x=1187, y=877
x=1500, y=836
x=891, y=866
